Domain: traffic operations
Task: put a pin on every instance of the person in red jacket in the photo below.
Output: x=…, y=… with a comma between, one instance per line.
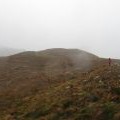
x=109, y=61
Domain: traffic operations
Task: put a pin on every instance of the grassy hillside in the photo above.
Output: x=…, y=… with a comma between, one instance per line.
x=27, y=70
x=83, y=96
x=29, y=91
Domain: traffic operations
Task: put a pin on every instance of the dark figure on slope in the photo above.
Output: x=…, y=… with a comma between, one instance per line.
x=109, y=61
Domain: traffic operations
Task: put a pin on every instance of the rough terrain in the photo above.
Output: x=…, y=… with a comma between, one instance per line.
x=53, y=85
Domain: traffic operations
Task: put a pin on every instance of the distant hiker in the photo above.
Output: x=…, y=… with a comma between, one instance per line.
x=109, y=61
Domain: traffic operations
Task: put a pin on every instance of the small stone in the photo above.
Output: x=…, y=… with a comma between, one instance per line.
x=97, y=77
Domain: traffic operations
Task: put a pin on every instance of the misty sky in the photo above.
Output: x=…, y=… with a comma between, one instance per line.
x=92, y=25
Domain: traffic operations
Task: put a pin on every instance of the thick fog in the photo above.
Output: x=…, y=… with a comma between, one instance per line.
x=92, y=25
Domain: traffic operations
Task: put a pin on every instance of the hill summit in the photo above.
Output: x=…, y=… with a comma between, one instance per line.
x=32, y=67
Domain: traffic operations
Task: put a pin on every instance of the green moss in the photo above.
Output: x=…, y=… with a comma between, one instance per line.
x=38, y=112
x=84, y=114
x=67, y=103
x=108, y=111
x=116, y=90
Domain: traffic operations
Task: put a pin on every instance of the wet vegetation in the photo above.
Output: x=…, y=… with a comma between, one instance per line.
x=92, y=94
